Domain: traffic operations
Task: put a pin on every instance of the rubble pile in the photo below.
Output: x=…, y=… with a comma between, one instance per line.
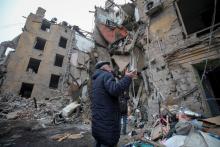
x=137, y=38
x=13, y=104
x=16, y=107
x=176, y=126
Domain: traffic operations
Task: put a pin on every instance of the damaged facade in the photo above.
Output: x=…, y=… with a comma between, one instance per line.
x=174, y=47
x=173, y=55
x=169, y=47
x=42, y=63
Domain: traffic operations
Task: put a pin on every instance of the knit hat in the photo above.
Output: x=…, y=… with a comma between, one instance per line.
x=101, y=63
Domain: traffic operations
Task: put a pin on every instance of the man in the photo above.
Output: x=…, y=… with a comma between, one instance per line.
x=105, y=104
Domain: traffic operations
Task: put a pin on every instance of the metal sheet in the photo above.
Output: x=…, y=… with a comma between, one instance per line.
x=213, y=120
x=112, y=35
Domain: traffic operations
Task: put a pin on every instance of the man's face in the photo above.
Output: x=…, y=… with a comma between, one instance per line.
x=107, y=68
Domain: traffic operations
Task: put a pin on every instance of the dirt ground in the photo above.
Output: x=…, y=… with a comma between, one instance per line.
x=20, y=133
x=32, y=134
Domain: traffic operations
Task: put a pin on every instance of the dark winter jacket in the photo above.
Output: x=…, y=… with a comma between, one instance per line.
x=105, y=106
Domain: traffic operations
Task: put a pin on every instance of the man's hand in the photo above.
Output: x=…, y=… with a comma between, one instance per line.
x=131, y=74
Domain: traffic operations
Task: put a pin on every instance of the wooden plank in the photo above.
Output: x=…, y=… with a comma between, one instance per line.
x=213, y=120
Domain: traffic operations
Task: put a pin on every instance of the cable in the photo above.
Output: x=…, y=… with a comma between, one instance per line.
x=210, y=39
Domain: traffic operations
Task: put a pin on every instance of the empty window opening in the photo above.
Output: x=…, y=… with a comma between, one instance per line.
x=54, y=81
x=211, y=84
x=45, y=26
x=26, y=90
x=40, y=43
x=58, y=60
x=62, y=42
x=196, y=15
x=33, y=65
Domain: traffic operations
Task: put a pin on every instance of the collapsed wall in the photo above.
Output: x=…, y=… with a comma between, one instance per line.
x=154, y=41
x=51, y=65
x=173, y=76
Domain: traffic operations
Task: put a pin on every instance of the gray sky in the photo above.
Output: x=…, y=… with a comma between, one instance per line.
x=75, y=12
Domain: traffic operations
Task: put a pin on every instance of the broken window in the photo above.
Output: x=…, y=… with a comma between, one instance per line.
x=211, y=84
x=33, y=65
x=54, y=81
x=62, y=42
x=196, y=15
x=40, y=43
x=26, y=90
x=45, y=26
x=58, y=60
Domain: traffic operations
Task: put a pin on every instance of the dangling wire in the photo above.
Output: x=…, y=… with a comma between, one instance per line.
x=210, y=40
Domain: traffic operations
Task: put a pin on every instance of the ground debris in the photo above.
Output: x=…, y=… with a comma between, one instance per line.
x=61, y=137
x=16, y=107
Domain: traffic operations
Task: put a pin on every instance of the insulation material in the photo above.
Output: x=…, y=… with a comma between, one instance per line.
x=68, y=110
x=121, y=61
x=84, y=44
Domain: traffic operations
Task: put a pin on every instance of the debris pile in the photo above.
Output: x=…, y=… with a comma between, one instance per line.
x=142, y=36
x=176, y=127
x=51, y=111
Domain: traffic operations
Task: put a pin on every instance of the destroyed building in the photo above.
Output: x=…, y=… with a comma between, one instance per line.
x=182, y=53
x=176, y=55
x=173, y=44
x=43, y=57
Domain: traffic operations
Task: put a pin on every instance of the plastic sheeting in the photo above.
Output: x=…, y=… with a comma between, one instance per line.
x=194, y=139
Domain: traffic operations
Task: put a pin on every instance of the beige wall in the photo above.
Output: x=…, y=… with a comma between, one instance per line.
x=177, y=76
x=18, y=62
